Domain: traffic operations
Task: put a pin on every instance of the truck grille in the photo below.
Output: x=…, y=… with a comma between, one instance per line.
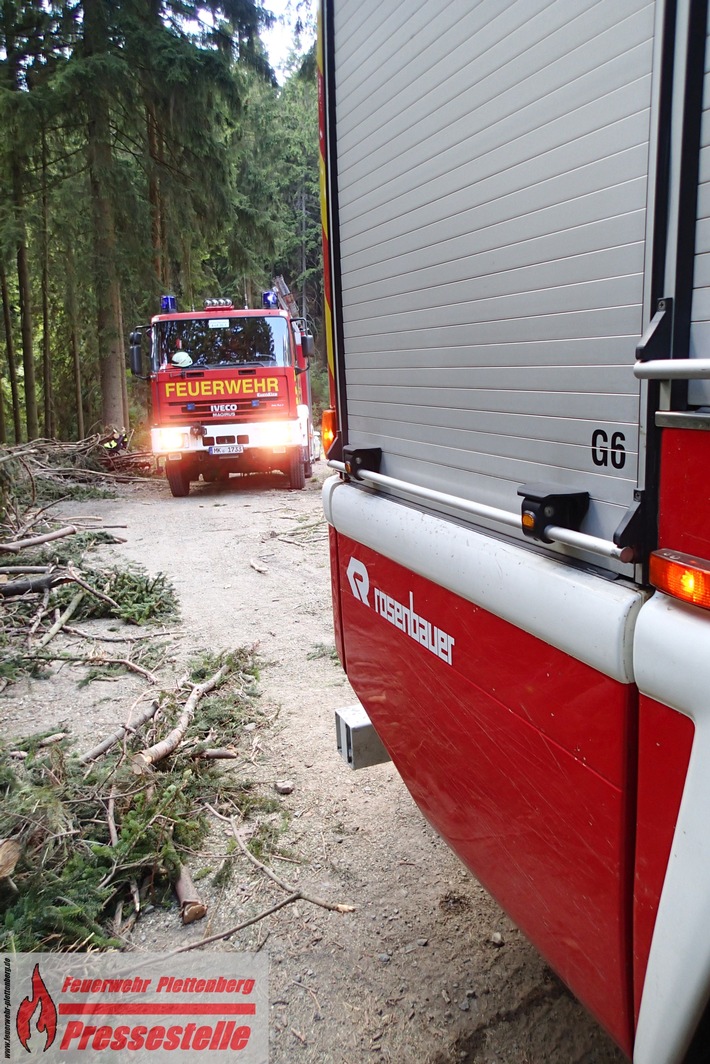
x=202, y=411
x=210, y=441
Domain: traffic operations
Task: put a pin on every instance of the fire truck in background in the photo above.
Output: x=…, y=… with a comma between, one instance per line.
x=229, y=389
x=517, y=240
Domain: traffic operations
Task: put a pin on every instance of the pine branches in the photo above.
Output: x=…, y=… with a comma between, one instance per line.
x=47, y=578
x=91, y=840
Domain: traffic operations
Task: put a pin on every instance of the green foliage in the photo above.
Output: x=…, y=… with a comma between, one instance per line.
x=242, y=662
x=320, y=392
x=23, y=485
x=321, y=650
x=140, y=597
x=147, y=143
x=13, y=664
x=58, y=891
x=265, y=839
x=61, y=553
x=70, y=877
x=71, y=550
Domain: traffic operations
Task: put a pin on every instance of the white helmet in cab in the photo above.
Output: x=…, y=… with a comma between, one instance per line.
x=181, y=359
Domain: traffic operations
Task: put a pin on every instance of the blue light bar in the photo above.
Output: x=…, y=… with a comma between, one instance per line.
x=168, y=304
x=270, y=299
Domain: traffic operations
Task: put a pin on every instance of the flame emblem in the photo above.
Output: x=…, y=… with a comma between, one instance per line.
x=46, y=1022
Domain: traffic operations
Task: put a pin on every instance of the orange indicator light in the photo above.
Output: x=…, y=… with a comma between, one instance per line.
x=328, y=428
x=683, y=576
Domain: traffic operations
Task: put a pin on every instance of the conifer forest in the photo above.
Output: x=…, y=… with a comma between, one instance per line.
x=147, y=148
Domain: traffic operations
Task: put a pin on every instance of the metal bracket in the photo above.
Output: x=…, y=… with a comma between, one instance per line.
x=358, y=743
x=546, y=505
x=357, y=459
x=656, y=340
x=629, y=532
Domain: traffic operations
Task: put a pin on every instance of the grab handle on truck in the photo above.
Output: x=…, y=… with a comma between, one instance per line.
x=673, y=369
x=568, y=537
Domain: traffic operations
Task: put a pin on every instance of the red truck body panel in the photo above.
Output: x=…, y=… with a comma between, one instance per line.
x=543, y=733
x=213, y=396
x=518, y=308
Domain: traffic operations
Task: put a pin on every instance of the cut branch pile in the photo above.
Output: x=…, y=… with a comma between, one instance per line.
x=50, y=467
x=305, y=535
x=87, y=841
x=49, y=581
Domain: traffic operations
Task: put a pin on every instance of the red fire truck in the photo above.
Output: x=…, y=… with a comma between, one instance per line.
x=517, y=238
x=229, y=391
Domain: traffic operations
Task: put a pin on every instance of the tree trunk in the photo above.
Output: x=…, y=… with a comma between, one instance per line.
x=3, y=426
x=156, y=223
x=24, y=283
x=76, y=369
x=10, y=349
x=166, y=276
x=46, y=354
x=17, y=160
x=304, y=308
x=74, y=343
x=107, y=285
x=124, y=368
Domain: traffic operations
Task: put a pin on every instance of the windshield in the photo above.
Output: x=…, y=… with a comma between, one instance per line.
x=209, y=342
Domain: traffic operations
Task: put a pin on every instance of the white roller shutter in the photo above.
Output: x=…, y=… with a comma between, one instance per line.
x=492, y=178
x=699, y=391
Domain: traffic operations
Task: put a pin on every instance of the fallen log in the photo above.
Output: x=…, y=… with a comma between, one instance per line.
x=115, y=737
x=95, y=660
x=191, y=905
x=13, y=569
x=221, y=753
x=31, y=585
x=145, y=758
x=61, y=621
x=34, y=541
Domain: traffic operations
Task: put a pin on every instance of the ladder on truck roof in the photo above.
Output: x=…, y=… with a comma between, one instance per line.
x=286, y=299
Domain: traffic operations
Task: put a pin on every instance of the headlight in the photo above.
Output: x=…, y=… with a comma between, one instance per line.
x=282, y=434
x=169, y=440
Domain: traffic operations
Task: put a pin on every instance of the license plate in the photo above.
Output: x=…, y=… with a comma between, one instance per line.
x=226, y=448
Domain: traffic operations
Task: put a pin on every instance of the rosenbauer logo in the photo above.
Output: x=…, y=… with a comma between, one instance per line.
x=405, y=618
x=113, y=1007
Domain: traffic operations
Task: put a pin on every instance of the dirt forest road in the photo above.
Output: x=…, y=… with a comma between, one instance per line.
x=426, y=970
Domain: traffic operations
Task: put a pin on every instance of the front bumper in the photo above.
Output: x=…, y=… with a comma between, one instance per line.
x=199, y=442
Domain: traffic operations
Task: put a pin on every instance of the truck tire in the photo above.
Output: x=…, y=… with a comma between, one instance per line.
x=296, y=472
x=178, y=479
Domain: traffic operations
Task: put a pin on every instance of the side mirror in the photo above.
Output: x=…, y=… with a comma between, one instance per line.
x=307, y=345
x=136, y=358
